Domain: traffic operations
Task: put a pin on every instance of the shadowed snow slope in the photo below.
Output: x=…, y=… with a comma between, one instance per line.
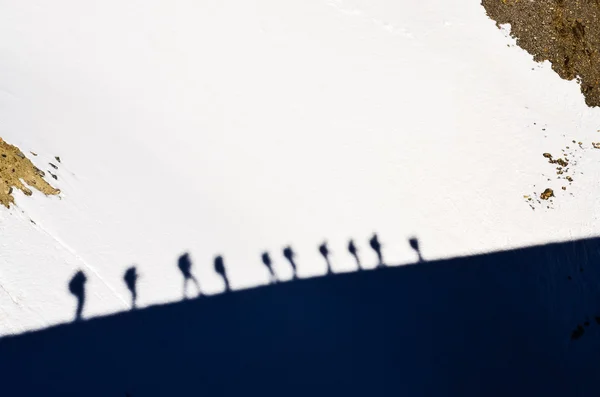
x=233, y=127
x=489, y=325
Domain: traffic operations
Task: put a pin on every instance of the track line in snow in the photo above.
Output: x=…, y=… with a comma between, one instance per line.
x=15, y=301
x=74, y=253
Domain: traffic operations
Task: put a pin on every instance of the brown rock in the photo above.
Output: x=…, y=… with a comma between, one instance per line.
x=564, y=32
x=18, y=171
x=546, y=194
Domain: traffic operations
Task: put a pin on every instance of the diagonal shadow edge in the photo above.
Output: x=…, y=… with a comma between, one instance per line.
x=488, y=324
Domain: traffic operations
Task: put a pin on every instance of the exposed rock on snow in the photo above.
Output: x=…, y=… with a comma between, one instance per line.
x=563, y=32
x=17, y=171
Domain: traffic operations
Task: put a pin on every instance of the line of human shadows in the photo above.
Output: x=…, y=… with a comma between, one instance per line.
x=493, y=324
x=184, y=263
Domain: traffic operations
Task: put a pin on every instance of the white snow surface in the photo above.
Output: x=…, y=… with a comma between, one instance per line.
x=233, y=127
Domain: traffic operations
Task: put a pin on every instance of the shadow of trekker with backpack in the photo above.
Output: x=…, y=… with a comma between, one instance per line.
x=376, y=246
x=220, y=269
x=185, y=265
x=77, y=288
x=414, y=244
x=130, y=279
x=354, y=252
x=266, y=260
x=289, y=254
x=324, y=251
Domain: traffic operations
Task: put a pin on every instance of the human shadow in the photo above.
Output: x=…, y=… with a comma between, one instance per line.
x=185, y=266
x=290, y=255
x=130, y=279
x=77, y=288
x=220, y=269
x=493, y=324
x=376, y=246
x=266, y=260
x=324, y=251
x=414, y=244
x=354, y=252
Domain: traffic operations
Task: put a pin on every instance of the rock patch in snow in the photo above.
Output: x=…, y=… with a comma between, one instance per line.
x=17, y=171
